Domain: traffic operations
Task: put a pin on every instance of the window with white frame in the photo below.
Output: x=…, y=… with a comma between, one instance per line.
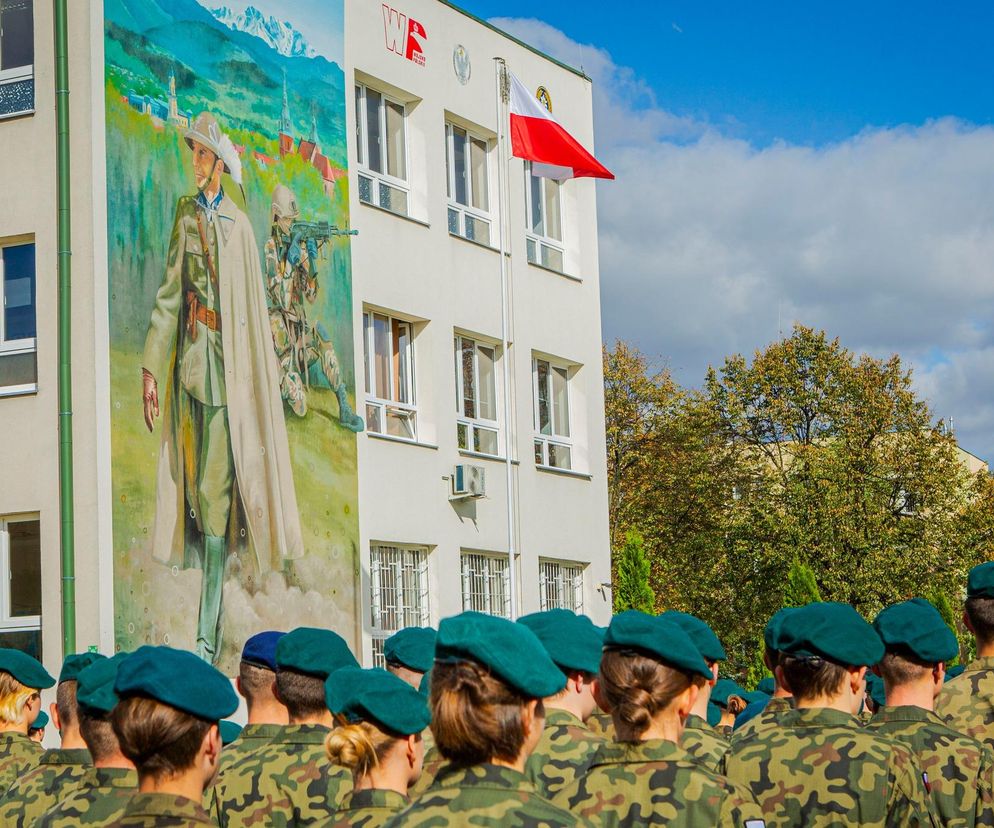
x=20, y=592
x=467, y=179
x=381, y=139
x=550, y=386
x=476, y=395
x=390, y=400
x=543, y=212
x=17, y=87
x=398, y=587
x=560, y=585
x=18, y=365
x=486, y=583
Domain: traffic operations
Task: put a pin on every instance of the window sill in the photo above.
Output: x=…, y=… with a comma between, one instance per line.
x=563, y=472
x=576, y=279
x=496, y=458
x=10, y=116
x=391, y=439
x=403, y=216
x=475, y=243
x=19, y=390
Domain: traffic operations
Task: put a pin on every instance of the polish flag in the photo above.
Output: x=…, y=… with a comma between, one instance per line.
x=537, y=137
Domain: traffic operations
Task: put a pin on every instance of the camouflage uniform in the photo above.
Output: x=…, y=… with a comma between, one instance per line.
x=288, y=781
x=766, y=720
x=18, y=754
x=655, y=782
x=601, y=724
x=43, y=786
x=967, y=701
x=371, y=808
x=704, y=744
x=818, y=767
x=563, y=753
x=960, y=769
x=100, y=797
x=482, y=795
x=252, y=738
x=157, y=810
x=432, y=766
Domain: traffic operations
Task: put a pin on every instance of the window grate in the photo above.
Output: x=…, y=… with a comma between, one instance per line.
x=486, y=584
x=560, y=585
x=398, y=592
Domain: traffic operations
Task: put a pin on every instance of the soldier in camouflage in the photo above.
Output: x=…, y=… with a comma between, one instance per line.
x=567, y=745
x=749, y=722
x=817, y=767
x=967, y=702
x=22, y=678
x=487, y=686
x=960, y=770
x=650, y=675
x=290, y=780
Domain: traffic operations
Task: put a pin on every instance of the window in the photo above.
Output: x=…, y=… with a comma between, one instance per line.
x=398, y=586
x=486, y=584
x=476, y=395
x=560, y=585
x=20, y=595
x=18, y=366
x=467, y=174
x=543, y=210
x=17, y=87
x=390, y=405
x=382, y=146
x=552, y=433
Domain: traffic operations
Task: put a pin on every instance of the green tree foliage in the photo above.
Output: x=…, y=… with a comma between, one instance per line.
x=632, y=589
x=802, y=588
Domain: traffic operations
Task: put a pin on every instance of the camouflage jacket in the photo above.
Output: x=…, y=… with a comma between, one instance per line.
x=482, y=795
x=43, y=786
x=370, y=808
x=601, y=724
x=819, y=768
x=18, y=753
x=252, y=737
x=967, y=701
x=563, y=753
x=431, y=767
x=157, y=810
x=290, y=781
x=100, y=797
x=704, y=743
x=960, y=770
x=656, y=783
x=765, y=720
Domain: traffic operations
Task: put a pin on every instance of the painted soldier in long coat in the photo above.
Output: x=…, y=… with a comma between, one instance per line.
x=224, y=476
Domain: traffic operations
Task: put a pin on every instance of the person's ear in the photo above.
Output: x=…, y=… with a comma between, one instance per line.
x=781, y=678
x=412, y=749
x=967, y=623
x=529, y=717
x=599, y=696
x=238, y=686
x=53, y=714
x=211, y=746
x=714, y=674
x=939, y=674
x=857, y=677
x=687, y=699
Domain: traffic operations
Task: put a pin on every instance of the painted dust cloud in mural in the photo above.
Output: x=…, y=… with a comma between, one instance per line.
x=232, y=378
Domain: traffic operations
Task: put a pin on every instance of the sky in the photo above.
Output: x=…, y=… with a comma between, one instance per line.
x=831, y=165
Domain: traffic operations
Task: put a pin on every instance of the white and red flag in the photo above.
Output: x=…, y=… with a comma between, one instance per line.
x=537, y=137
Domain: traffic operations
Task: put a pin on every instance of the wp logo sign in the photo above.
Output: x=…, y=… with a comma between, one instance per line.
x=404, y=35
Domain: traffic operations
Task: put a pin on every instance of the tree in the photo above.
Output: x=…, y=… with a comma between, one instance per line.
x=802, y=588
x=631, y=589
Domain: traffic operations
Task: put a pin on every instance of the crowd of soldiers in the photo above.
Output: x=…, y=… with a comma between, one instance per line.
x=548, y=721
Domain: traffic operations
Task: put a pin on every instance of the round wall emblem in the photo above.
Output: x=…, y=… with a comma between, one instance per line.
x=544, y=97
x=461, y=65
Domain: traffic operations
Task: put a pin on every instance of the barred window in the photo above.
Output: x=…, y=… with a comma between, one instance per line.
x=560, y=585
x=398, y=582
x=486, y=584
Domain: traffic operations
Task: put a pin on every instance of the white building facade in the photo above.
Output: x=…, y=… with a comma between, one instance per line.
x=441, y=395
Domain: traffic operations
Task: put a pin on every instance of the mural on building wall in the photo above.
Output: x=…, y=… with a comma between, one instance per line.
x=231, y=371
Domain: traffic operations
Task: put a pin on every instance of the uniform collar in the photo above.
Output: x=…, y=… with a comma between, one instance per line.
x=210, y=207
x=985, y=663
x=374, y=798
x=261, y=731
x=484, y=776
x=57, y=756
x=818, y=717
x=171, y=805
x=301, y=734
x=651, y=750
x=778, y=704
x=695, y=722
x=905, y=713
x=111, y=778
x=556, y=716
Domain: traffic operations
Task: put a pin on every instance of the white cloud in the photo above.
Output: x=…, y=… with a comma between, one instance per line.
x=708, y=243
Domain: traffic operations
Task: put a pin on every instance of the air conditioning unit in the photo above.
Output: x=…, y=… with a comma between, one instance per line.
x=468, y=482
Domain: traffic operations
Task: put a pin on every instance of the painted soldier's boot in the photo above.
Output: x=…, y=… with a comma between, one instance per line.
x=347, y=417
x=211, y=588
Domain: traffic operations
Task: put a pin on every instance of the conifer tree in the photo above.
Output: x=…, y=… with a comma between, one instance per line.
x=632, y=589
x=802, y=588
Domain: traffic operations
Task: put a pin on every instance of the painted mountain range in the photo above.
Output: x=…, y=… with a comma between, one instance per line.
x=282, y=36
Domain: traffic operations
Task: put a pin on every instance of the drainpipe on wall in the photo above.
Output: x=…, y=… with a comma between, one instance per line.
x=66, y=519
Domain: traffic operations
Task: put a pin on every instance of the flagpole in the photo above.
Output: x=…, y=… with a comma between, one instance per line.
x=502, y=184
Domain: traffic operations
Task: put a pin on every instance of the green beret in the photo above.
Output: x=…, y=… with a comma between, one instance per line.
x=377, y=696
x=229, y=731
x=314, y=652
x=95, y=688
x=179, y=679
x=714, y=714
x=767, y=685
x=917, y=626
x=756, y=696
x=658, y=638
x=509, y=650
x=723, y=688
x=27, y=670
x=980, y=582
x=40, y=722
x=74, y=663
x=875, y=689
x=771, y=635
x=700, y=633
x=412, y=647
x=572, y=641
x=952, y=672
x=832, y=631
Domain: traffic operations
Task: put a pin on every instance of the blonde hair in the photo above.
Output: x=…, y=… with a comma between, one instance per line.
x=13, y=697
x=359, y=746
